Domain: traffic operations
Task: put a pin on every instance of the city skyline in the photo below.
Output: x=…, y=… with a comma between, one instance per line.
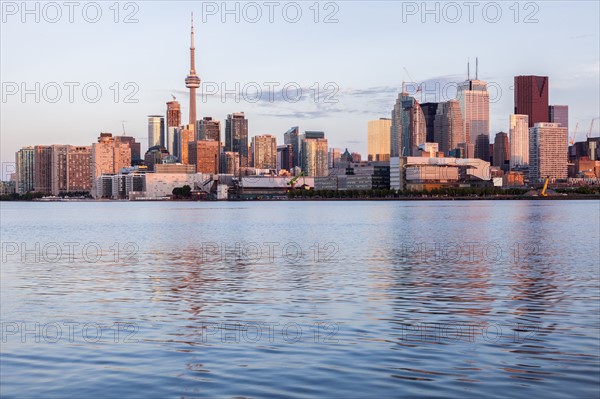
x=344, y=127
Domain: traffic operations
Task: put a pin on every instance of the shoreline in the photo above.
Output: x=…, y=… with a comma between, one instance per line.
x=488, y=198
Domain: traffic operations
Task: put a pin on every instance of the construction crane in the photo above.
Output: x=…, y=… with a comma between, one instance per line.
x=591, y=127
x=572, y=141
x=292, y=182
x=412, y=80
x=543, y=193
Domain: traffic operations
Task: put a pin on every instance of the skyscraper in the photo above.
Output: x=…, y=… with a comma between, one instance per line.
x=236, y=136
x=448, y=126
x=559, y=114
x=378, y=132
x=192, y=81
x=205, y=155
x=501, y=151
x=284, y=157
x=208, y=129
x=531, y=98
x=482, y=147
x=407, y=129
x=230, y=163
x=156, y=130
x=78, y=168
x=25, y=168
x=548, y=151
x=186, y=135
x=136, y=151
x=42, y=168
x=173, y=114
x=519, y=141
x=108, y=156
x=429, y=110
x=292, y=137
x=314, y=156
x=59, y=169
x=264, y=151
x=474, y=101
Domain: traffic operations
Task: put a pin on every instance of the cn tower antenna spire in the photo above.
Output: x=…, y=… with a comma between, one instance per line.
x=192, y=81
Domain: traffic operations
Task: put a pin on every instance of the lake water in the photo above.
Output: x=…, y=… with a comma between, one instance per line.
x=300, y=299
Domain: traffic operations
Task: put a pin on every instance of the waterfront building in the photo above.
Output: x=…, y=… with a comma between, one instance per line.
x=25, y=170
x=548, y=155
x=42, y=168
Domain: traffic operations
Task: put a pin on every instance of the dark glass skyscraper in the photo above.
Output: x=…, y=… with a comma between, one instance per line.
x=236, y=136
x=429, y=110
x=531, y=98
x=292, y=137
x=559, y=114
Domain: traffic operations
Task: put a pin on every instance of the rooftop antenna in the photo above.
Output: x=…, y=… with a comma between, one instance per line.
x=476, y=68
x=123, y=124
x=173, y=97
x=468, y=69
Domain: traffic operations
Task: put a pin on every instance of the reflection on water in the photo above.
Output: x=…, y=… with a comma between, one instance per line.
x=457, y=299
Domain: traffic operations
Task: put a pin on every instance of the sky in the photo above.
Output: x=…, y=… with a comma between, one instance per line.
x=98, y=67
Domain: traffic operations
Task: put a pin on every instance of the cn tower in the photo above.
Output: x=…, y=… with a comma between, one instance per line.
x=192, y=81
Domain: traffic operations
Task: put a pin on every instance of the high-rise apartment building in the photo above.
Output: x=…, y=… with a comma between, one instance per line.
x=378, y=132
x=519, y=141
x=548, y=148
x=236, y=136
x=78, y=168
x=186, y=136
x=42, y=168
x=136, y=150
x=314, y=156
x=205, y=155
x=448, y=126
x=25, y=170
x=156, y=129
x=531, y=98
x=230, y=163
x=108, y=156
x=208, y=129
x=559, y=114
x=173, y=114
x=264, y=151
x=59, y=169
